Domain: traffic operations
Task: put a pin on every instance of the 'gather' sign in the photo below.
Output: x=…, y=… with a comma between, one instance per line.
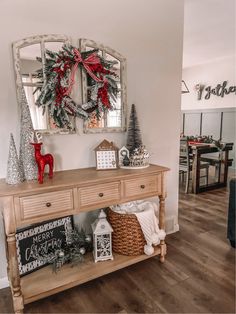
x=220, y=90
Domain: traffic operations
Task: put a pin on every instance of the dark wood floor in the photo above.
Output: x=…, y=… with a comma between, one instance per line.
x=198, y=275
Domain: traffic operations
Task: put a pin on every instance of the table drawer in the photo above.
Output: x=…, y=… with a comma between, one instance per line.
x=142, y=186
x=99, y=195
x=45, y=204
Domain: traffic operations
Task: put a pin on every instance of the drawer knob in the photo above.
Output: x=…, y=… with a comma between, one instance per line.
x=142, y=186
x=100, y=194
x=48, y=204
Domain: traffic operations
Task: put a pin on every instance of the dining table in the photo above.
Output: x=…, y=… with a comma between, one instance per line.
x=215, y=157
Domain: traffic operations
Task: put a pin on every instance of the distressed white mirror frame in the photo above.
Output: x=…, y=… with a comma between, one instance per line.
x=84, y=44
x=41, y=40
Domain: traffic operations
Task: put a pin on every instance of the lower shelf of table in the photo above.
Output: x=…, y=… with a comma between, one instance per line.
x=44, y=282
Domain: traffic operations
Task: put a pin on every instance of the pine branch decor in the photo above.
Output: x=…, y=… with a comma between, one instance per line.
x=134, y=139
x=78, y=243
x=60, y=69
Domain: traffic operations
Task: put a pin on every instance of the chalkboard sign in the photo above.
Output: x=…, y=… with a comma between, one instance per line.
x=40, y=240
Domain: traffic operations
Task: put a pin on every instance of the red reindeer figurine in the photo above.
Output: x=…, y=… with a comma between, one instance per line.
x=42, y=160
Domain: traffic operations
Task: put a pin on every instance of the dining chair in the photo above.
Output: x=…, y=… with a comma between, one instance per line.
x=186, y=164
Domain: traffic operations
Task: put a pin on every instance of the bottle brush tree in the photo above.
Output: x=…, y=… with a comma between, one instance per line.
x=134, y=139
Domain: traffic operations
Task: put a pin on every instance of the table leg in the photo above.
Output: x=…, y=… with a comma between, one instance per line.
x=196, y=172
x=13, y=270
x=13, y=274
x=226, y=165
x=162, y=226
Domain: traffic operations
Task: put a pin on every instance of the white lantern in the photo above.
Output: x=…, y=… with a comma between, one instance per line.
x=102, y=238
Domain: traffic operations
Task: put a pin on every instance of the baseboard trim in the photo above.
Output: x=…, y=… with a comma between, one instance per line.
x=171, y=225
x=4, y=283
x=176, y=229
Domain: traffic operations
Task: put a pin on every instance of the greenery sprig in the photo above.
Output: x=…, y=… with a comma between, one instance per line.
x=72, y=252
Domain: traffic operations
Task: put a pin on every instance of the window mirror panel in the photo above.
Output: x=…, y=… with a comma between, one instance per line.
x=31, y=83
x=26, y=53
x=114, y=120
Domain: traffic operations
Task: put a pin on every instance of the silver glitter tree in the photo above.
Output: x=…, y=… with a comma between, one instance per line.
x=13, y=167
x=27, y=161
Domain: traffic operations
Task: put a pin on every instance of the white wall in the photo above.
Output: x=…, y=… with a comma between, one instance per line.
x=148, y=33
x=210, y=74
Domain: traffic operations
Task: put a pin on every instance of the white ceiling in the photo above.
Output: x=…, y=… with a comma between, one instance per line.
x=209, y=30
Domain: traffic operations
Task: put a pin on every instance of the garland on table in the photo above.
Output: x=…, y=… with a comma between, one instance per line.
x=200, y=139
x=208, y=140
x=78, y=243
x=60, y=69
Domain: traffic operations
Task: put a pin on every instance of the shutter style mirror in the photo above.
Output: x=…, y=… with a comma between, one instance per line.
x=26, y=65
x=114, y=120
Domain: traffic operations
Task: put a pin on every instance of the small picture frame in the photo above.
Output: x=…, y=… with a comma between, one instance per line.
x=40, y=239
x=106, y=156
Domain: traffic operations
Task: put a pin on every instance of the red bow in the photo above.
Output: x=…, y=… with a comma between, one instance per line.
x=91, y=60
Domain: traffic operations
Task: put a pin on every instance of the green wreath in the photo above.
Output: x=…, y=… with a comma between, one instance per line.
x=60, y=68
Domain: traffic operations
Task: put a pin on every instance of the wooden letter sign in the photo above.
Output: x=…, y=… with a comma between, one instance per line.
x=39, y=240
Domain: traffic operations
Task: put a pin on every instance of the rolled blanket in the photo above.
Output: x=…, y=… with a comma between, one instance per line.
x=149, y=225
x=134, y=207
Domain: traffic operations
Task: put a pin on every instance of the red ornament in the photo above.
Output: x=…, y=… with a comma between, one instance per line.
x=42, y=161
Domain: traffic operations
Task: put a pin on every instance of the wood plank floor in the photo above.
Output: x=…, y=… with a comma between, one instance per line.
x=198, y=275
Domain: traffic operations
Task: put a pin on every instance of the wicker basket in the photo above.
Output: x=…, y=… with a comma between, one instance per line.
x=127, y=236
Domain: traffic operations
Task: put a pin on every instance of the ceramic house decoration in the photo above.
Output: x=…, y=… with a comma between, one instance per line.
x=106, y=155
x=123, y=153
x=102, y=238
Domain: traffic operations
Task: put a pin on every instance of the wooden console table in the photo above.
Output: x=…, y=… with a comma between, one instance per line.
x=69, y=193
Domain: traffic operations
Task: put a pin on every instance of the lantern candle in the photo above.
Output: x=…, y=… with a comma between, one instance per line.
x=102, y=238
